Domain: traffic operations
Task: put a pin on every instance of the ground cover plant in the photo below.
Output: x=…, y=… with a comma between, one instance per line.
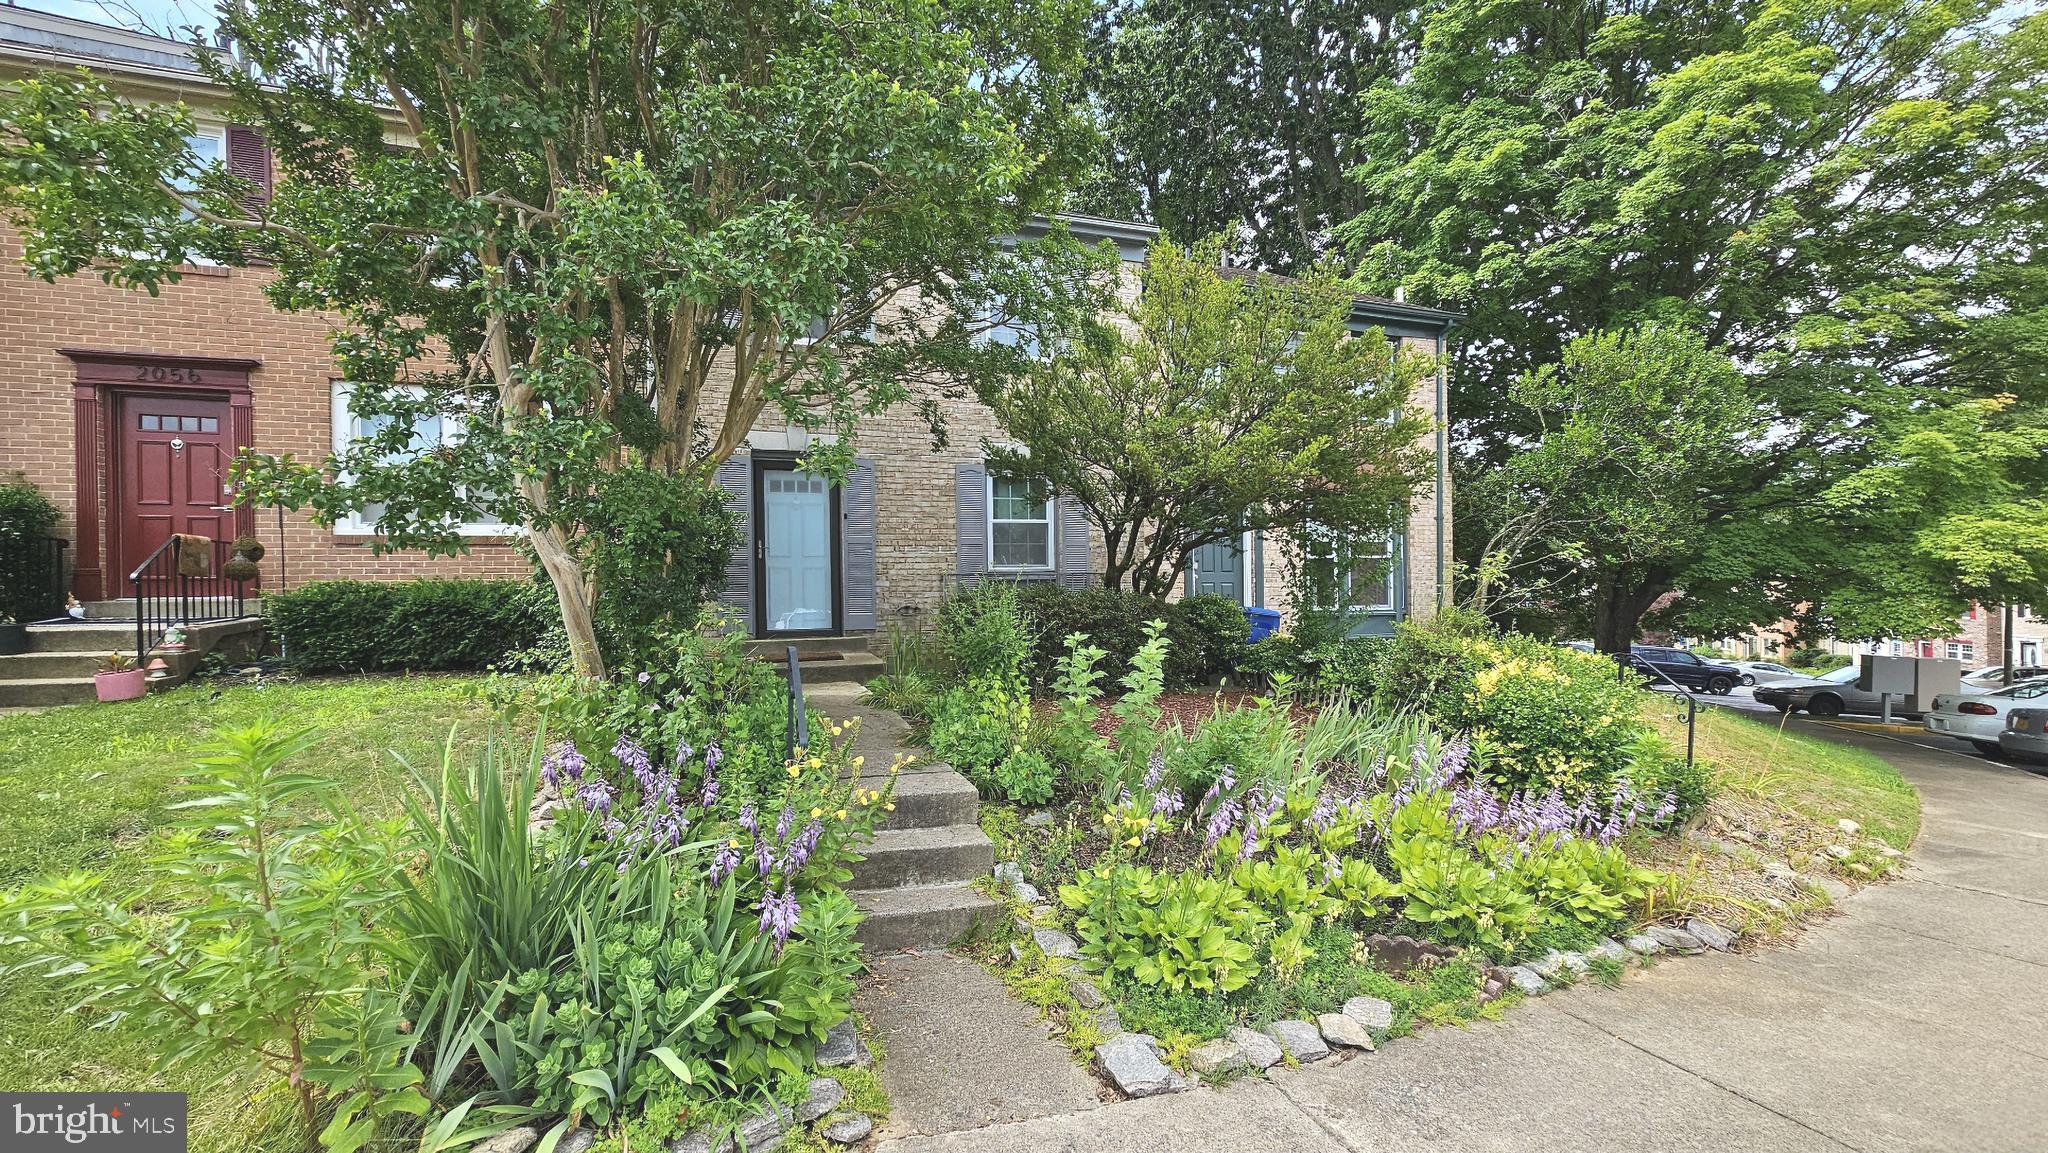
x=634, y=917
x=1236, y=871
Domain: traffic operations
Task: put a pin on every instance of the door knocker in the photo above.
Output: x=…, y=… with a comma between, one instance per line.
x=177, y=446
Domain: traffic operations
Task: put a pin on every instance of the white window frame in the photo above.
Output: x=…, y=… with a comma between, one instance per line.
x=1052, y=528
x=343, y=419
x=1961, y=651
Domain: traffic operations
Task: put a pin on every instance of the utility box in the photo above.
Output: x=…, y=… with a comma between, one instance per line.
x=1911, y=682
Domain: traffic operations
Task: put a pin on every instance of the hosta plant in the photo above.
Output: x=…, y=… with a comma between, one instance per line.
x=1184, y=930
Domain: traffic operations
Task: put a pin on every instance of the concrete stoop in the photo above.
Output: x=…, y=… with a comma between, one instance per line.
x=58, y=667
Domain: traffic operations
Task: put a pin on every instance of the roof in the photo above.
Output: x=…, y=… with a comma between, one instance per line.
x=52, y=39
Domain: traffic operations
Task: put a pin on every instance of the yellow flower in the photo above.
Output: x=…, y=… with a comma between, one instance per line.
x=813, y=763
x=894, y=769
x=793, y=770
x=841, y=814
x=816, y=813
x=891, y=806
x=1109, y=818
x=910, y=759
x=837, y=729
x=1134, y=842
x=859, y=761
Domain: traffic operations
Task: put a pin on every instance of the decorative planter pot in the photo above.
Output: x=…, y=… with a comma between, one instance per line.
x=126, y=685
x=13, y=639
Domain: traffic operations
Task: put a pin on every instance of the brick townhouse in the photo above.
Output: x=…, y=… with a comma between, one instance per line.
x=124, y=409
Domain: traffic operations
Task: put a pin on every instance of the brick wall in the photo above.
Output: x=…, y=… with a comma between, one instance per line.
x=212, y=312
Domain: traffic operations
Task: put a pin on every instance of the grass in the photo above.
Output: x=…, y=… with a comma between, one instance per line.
x=1818, y=779
x=79, y=786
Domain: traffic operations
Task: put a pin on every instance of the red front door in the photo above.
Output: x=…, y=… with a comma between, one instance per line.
x=172, y=470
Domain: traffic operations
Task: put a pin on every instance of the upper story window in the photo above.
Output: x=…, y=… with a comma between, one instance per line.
x=1019, y=525
x=428, y=433
x=1962, y=651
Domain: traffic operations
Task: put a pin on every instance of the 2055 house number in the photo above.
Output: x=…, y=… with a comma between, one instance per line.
x=161, y=374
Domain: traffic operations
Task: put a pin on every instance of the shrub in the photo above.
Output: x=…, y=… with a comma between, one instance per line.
x=1211, y=638
x=420, y=626
x=976, y=726
x=1351, y=665
x=1208, y=633
x=1279, y=654
x=28, y=589
x=984, y=631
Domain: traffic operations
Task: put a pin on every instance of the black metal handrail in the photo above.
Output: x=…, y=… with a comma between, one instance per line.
x=798, y=734
x=32, y=577
x=1629, y=662
x=165, y=596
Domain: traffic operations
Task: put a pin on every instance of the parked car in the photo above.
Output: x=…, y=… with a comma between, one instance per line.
x=1994, y=675
x=2025, y=736
x=1761, y=672
x=1685, y=668
x=1979, y=718
x=1827, y=695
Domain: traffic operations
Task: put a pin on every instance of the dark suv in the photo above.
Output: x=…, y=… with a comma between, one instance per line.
x=1684, y=668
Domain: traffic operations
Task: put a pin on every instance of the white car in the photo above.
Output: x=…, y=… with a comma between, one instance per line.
x=1993, y=677
x=1762, y=672
x=1979, y=717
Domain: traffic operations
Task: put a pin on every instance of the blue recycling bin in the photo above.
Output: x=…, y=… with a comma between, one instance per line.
x=1264, y=622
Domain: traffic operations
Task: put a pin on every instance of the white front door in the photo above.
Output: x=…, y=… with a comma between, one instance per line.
x=796, y=552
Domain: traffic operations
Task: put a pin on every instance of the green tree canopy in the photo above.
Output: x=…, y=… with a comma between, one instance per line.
x=602, y=238
x=1843, y=196
x=1209, y=403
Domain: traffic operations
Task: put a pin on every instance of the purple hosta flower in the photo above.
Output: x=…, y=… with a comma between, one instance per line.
x=684, y=751
x=764, y=858
x=594, y=793
x=1333, y=869
x=710, y=786
x=1552, y=815
x=1221, y=821
x=1155, y=770
x=782, y=824
x=1250, y=847
x=713, y=757
x=1324, y=814
x=564, y=762
x=1167, y=803
x=644, y=677
x=806, y=843
x=629, y=753
x=613, y=826
x=779, y=913
x=724, y=863
x=1664, y=809
x=748, y=820
x=1454, y=758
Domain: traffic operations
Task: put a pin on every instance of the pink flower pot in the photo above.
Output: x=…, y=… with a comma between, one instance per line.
x=126, y=685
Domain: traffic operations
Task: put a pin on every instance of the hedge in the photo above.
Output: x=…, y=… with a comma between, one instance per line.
x=27, y=590
x=415, y=625
x=1207, y=633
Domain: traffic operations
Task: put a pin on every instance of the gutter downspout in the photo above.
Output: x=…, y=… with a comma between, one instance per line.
x=1443, y=466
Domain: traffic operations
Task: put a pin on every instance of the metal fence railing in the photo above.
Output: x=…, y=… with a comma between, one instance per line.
x=32, y=581
x=167, y=593
x=1628, y=663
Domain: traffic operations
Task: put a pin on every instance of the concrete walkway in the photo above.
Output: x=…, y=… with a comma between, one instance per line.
x=1919, y=1021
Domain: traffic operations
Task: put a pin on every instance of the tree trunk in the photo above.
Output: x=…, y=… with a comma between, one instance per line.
x=576, y=598
x=1618, y=607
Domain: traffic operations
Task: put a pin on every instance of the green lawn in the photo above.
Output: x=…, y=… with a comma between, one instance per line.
x=79, y=785
x=1819, y=779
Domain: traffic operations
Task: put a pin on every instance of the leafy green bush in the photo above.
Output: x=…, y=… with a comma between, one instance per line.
x=1181, y=930
x=28, y=589
x=1208, y=633
x=1351, y=665
x=984, y=630
x=418, y=625
x=1280, y=653
x=1211, y=638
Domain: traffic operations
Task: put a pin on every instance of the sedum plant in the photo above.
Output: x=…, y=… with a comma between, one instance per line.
x=252, y=935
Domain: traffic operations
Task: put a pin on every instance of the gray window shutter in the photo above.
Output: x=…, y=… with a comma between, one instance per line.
x=857, y=546
x=970, y=522
x=1076, y=555
x=736, y=477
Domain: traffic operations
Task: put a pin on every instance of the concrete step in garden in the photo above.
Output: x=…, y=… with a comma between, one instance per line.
x=49, y=666
x=897, y=858
x=919, y=917
x=774, y=650
x=824, y=668
x=41, y=691
x=929, y=800
x=82, y=637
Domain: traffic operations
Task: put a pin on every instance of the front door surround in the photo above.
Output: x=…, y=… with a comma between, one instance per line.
x=132, y=483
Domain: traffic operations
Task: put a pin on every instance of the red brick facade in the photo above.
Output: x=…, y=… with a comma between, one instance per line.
x=216, y=313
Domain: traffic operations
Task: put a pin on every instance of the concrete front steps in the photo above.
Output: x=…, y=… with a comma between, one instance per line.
x=916, y=882
x=57, y=669
x=824, y=660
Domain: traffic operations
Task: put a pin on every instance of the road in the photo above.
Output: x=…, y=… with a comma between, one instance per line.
x=1917, y=1021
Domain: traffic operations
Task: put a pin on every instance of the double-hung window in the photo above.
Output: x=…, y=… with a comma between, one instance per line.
x=1020, y=530
x=1360, y=577
x=428, y=433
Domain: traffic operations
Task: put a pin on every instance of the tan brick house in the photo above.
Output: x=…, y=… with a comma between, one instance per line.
x=124, y=409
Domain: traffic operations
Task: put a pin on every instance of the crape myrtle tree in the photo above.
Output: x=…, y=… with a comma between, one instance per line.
x=1845, y=198
x=1207, y=403
x=599, y=238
